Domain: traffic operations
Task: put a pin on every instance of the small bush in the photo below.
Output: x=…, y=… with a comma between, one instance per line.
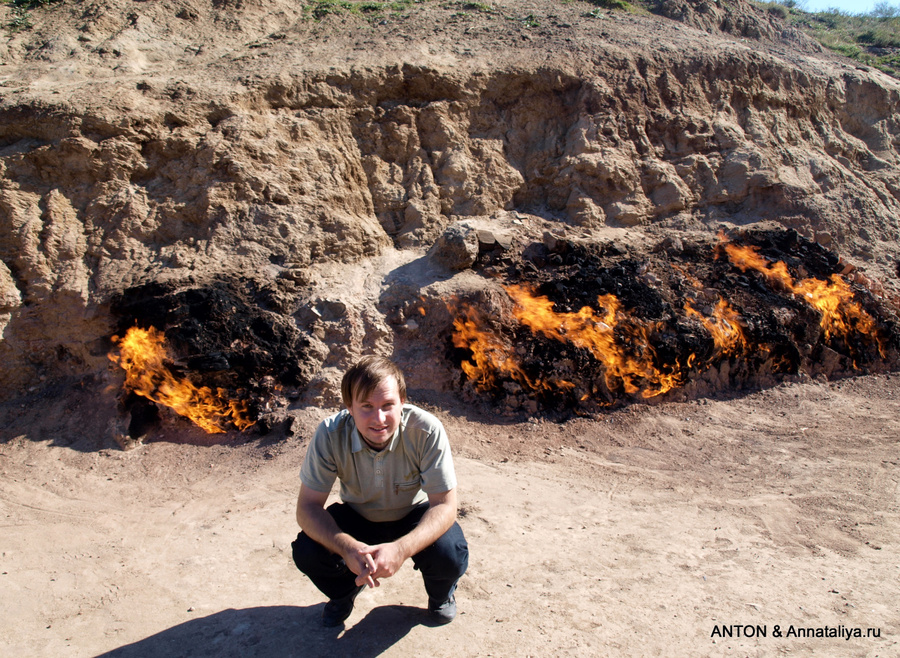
x=319, y=9
x=325, y=8
x=30, y=4
x=778, y=10
x=20, y=21
x=610, y=4
x=848, y=50
x=477, y=6
x=880, y=38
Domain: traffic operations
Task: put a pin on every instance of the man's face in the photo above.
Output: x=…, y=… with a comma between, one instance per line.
x=377, y=417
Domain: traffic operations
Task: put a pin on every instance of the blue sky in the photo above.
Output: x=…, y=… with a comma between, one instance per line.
x=846, y=6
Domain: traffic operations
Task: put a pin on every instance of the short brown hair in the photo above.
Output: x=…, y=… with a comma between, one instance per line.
x=366, y=374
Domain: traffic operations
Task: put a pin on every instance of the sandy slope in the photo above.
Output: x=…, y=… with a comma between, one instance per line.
x=638, y=534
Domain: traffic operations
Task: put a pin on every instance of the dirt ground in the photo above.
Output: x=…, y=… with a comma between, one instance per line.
x=654, y=530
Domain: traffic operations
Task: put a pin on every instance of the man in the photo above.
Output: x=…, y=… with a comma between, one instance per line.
x=398, y=493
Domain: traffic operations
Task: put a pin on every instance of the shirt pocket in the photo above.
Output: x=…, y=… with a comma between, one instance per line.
x=408, y=488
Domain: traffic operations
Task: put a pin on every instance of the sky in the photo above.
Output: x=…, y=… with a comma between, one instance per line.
x=846, y=6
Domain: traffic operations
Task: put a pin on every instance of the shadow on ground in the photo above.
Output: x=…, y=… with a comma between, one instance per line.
x=282, y=631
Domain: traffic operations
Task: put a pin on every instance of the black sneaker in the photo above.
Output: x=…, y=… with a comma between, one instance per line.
x=445, y=612
x=337, y=610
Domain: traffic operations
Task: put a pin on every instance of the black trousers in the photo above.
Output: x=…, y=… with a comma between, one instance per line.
x=442, y=564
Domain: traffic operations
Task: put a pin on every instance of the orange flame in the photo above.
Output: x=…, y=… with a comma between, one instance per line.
x=724, y=327
x=142, y=353
x=621, y=342
x=833, y=298
x=492, y=354
x=596, y=333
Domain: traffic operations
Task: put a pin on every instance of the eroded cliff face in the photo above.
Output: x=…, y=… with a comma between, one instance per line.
x=273, y=158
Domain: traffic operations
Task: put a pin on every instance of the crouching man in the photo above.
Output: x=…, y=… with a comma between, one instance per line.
x=398, y=497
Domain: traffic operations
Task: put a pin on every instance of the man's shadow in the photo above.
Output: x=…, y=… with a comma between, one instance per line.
x=277, y=631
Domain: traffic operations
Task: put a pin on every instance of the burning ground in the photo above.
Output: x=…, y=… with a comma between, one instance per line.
x=583, y=327
x=216, y=355
x=564, y=328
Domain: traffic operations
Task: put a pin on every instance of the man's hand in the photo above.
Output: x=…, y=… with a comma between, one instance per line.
x=382, y=560
x=386, y=559
x=320, y=526
x=370, y=563
x=362, y=564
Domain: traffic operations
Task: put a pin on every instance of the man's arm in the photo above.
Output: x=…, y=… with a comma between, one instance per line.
x=319, y=525
x=440, y=515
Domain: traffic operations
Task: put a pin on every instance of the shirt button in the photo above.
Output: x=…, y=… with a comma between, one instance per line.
x=377, y=472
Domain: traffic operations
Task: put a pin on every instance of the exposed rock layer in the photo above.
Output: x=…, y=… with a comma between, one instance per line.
x=292, y=146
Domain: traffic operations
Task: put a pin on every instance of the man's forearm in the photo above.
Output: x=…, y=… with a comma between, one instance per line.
x=434, y=523
x=320, y=526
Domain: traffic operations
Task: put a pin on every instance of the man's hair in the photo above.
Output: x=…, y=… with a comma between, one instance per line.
x=366, y=374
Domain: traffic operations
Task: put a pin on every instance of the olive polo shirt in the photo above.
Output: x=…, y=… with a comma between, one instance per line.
x=381, y=485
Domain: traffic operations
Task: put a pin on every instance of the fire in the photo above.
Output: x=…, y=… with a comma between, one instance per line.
x=619, y=352
x=619, y=341
x=833, y=299
x=724, y=326
x=634, y=369
x=493, y=354
x=142, y=354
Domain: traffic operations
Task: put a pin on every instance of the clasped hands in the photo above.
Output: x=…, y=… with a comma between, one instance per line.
x=370, y=563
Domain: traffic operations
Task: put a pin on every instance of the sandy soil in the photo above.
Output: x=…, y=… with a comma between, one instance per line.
x=644, y=532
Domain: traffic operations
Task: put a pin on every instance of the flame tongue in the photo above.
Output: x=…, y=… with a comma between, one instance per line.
x=833, y=299
x=142, y=354
x=493, y=354
x=617, y=340
x=620, y=351
x=596, y=331
x=724, y=326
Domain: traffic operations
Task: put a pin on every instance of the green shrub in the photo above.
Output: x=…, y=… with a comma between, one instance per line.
x=20, y=20
x=610, y=4
x=323, y=8
x=319, y=9
x=880, y=38
x=778, y=10
x=847, y=49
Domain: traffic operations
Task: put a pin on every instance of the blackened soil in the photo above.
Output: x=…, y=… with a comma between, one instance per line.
x=782, y=332
x=220, y=335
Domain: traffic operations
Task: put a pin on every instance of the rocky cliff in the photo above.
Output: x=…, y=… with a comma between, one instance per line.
x=308, y=151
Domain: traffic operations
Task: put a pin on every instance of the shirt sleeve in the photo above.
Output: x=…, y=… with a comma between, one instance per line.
x=436, y=466
x=319, y=470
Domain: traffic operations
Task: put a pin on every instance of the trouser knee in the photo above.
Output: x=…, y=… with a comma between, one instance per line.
x=325, y=569
x=310, y=556
x=448, y=557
